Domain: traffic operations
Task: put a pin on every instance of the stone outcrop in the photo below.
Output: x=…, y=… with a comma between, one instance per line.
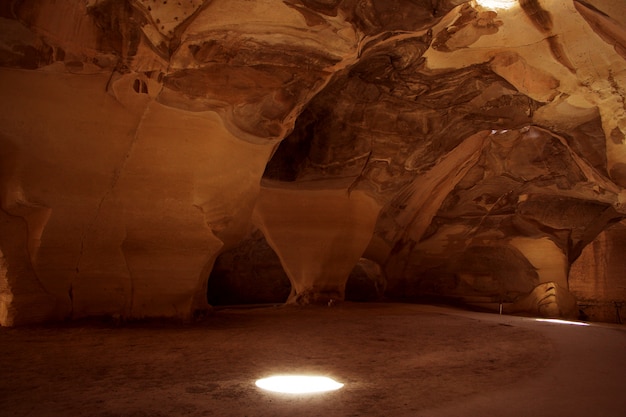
x=472, y=152
x=318, y=234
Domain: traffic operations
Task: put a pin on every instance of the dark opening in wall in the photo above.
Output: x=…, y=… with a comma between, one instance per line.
x=293, y=150
x=366, y=282
x=250, y=273
x=140, y=87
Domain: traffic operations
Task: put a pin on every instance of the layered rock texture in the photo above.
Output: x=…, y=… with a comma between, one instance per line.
x=302, y=150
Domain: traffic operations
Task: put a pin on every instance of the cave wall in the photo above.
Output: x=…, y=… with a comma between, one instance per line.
x=470, y=152
x=597, y=278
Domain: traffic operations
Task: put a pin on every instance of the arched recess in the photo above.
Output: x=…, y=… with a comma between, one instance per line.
x=250, y=273
x=367, y=282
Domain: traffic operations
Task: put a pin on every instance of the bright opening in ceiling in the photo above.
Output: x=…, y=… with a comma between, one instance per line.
x=496, y=4
x=298, y=384
x=574, y=323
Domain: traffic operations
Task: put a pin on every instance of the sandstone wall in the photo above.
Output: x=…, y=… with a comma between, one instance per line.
x=597, y=277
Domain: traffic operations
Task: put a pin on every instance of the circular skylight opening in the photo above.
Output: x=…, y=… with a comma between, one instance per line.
x=496, y=4
x=298, y=384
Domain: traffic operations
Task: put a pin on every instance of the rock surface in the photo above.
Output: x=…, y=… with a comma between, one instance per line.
x=597, y=277
x=471, y=151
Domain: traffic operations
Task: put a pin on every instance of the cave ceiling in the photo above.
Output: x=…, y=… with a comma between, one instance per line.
x=468, y=148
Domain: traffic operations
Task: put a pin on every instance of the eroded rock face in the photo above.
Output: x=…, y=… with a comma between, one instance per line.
x=472, y=152
x=318, y=234
x=597, y=279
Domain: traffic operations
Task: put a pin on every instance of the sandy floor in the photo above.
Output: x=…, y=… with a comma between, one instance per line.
x=394, y=359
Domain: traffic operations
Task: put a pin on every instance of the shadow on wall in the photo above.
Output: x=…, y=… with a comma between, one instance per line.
x=251, y=273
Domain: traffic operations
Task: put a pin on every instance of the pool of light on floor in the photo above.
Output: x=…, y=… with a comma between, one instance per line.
x=298, y=384
x=558, y=321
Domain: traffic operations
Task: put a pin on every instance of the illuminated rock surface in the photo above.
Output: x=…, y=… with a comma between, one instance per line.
x=473, y=153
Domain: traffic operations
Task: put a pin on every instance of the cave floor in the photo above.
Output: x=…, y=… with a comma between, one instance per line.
x=394, y=359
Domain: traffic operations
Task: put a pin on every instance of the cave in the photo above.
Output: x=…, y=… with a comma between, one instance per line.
x=446, y=172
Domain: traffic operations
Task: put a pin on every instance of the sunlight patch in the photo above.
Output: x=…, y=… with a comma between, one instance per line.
x=496, y=4
x=574, y=323
x=298, y=384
